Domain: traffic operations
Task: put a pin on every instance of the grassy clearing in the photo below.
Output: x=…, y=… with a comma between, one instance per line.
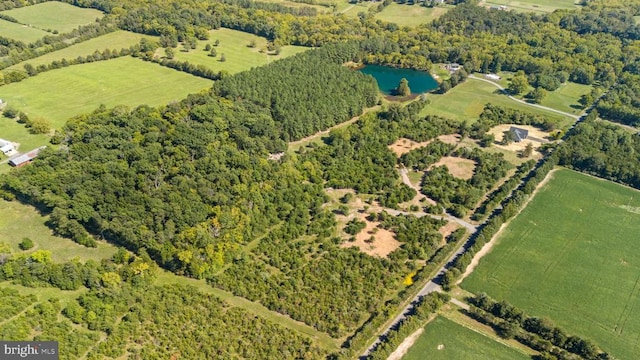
x=466, y=101
x=54, y=15
x=410, y=15
x=235, y=47
x=113, y=41
x=566, y=97
x=573, y=258
x=322, y=7
x=636, y=19
x=19, y=221
x=540, y=6
x=446, y=340
x=20, y=32
x=12, y=131
x=352, y=10
x=59, y=94
x=324, y=340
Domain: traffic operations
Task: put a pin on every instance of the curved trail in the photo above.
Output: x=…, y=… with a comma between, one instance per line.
x=576, y=117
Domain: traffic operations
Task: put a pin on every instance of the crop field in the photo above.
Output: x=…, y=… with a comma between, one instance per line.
x=53, y=15
x=19, y=32
x=235, y=47
x=540, y=6
x=466, y=101
x=59, y=94
x=444, y=339
x=113, y=41
x=19, y=221
x=573, y=258
x=566, y=97
x=410, y=15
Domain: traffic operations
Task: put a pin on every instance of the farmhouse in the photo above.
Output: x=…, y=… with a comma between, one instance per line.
x=519, y=134
x=6, y=147
x=26, y=158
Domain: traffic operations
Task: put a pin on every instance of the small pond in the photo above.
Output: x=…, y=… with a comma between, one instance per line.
x=388, y=78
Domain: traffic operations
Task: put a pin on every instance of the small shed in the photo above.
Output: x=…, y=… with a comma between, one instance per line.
x=25, y=158
x=518, y=133
x=6, y=147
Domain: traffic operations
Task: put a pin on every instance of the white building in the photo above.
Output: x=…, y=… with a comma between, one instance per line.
x=6, y=147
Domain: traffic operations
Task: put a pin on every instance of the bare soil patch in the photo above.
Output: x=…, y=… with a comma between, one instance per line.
x=403, y=146
x=449, y=228
x=453, y=139
x=405, y=345
x=458, y=167
x=498, y=133
x=383, y=242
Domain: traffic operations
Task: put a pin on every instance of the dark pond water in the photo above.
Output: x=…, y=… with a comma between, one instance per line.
x=388, y=78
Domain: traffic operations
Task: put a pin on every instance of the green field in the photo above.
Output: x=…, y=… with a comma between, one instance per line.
x=54, y=15
x=322, y=6
x=573, y=257
x=352, y=10
x=19, y=32
x=113, y=41
x=458, y=342
x=11, y=130
x=234, y=45
x=466, y=101
x=637, y=19
x=19, y=221
x=541, y=6
x=410, y=15
x=59, y=94
x=566, y=97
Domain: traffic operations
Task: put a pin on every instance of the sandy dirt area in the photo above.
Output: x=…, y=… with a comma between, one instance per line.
x=458, y=167
x=403, y=146
x=405, y=345
x=383, y=244
x=488, y=246
x=453, y=139
x=449, y=228
x=498, y=133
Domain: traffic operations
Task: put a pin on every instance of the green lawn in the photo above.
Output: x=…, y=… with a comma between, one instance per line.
x=19, y=221
x=443, y=339
x=566, y=97
x=54, y=15
x=13, y=131
x=571, y=255
x=113, y=41
x=20, y=32
x=410, y=15
x=234, y=45
x=466, y=101
x=352, y=10
x=59, y=94
x=540, y=6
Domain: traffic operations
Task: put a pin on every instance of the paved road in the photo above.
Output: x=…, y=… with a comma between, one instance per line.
x=576, y=117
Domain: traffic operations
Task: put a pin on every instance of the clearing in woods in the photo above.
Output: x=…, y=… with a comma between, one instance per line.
x=458, y=167
x=410, y=15
x=572, y=258
x=62, y=93
x=444, y=339
x=539, y=6
x=54, y=15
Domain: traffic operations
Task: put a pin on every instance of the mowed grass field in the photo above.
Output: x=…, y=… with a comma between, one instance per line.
x=410, y=15
x=19, y=221
x=113, y=41
x=541, y=6
x=466, y=101
x=13, y=131
x=566, y=97
x=234, y=45
x=571, y=255
x=444, y=339
x=54, y=15
x=19, y=32
x=59, y=94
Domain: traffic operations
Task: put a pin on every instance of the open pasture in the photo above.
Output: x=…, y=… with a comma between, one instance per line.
x=539, y=6
x=571, y=255
x=444, y=339
x=59, y=94
x=467, y=100
x=566, y=97
x=410, y=15
x=26, y=34
x=235, y=47
x=54, y=15
x=113, y=41
x=22, y=221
